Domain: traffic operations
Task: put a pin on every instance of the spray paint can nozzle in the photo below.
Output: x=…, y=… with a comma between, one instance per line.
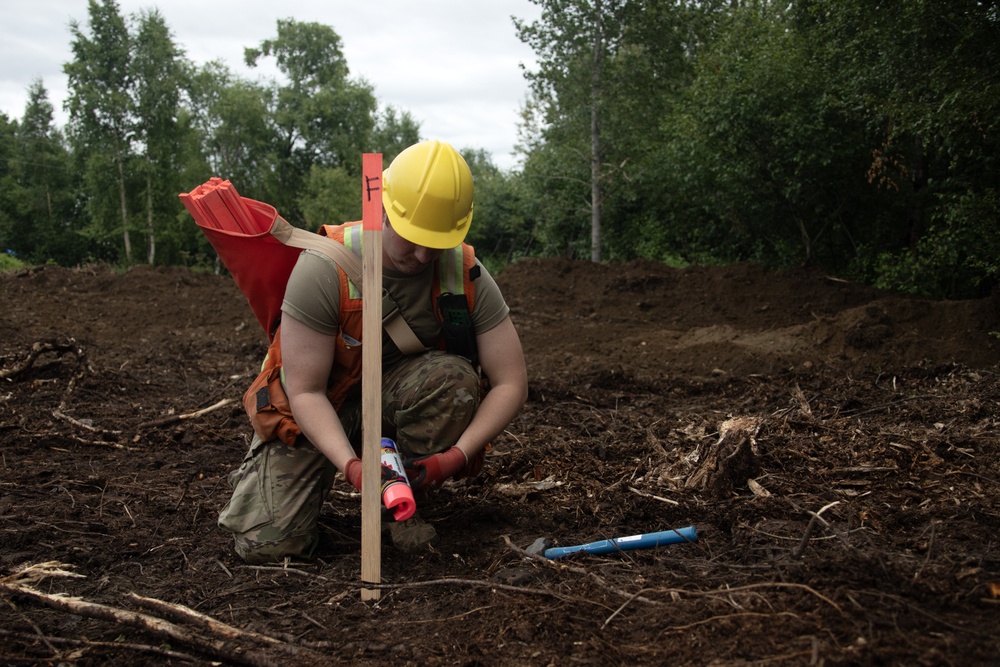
x=397, y=496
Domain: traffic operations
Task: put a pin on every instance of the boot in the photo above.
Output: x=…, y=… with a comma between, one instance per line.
x=412, y=534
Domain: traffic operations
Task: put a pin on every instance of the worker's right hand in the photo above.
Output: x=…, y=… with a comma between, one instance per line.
x=353, y=473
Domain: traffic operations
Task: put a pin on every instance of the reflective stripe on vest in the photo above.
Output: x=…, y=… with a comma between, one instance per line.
x=352, y=241
x=450, y=277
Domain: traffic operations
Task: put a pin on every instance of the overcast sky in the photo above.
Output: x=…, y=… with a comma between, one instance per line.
x=453, y=64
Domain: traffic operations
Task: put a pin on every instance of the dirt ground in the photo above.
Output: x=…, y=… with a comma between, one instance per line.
x=834, y=447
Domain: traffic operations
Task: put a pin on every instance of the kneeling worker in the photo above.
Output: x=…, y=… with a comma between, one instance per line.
x=442, y=403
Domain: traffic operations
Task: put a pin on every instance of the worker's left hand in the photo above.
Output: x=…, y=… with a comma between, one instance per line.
x=431, y=471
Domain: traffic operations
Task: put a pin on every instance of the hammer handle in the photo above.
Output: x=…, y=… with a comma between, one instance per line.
x=643, y=541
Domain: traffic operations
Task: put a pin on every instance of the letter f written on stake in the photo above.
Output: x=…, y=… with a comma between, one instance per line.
x=371, y=373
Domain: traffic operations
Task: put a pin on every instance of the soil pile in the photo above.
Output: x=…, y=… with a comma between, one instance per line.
x=834, y=446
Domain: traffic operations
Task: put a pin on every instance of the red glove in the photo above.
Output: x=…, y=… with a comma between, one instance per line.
x=431, y=471
x=353, y=473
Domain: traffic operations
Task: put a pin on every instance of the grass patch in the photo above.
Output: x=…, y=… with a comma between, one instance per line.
x=10, y=263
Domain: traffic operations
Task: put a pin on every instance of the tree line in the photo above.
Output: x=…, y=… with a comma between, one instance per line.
x=859, y=136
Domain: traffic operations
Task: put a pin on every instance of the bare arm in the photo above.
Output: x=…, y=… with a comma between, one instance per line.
x=502, y=361
x=307, y=357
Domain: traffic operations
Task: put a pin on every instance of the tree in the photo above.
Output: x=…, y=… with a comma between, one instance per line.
x=8, y=207
x=159, y=75
x=237, y=130
x=320, y=116
x=332, y=196
x=644, y=81
x=923, y=74
x=771, y=157
x=571, y=41
x=43, y=187
x=502, y=229
x=100, y=114
x=394, y=131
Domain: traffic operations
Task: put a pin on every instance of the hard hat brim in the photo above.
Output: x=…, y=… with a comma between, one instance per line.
x=425, y=237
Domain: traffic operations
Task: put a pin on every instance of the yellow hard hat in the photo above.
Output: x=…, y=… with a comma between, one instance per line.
x=427, y=195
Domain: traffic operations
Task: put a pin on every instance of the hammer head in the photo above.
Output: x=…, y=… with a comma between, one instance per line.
x=539, y=546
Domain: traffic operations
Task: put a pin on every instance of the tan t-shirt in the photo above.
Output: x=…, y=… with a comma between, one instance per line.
x=312, y=297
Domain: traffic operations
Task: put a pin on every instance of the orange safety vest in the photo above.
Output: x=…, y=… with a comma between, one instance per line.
x=265, y=400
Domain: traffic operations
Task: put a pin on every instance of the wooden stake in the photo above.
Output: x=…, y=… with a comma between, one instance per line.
x=371, y=377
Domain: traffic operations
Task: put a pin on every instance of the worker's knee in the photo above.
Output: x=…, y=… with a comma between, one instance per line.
x=278, y=492
x=432, y=400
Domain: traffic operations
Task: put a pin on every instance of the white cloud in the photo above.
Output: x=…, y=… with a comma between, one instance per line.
x=453, y=64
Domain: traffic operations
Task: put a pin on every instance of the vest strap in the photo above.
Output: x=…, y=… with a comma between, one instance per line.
x=393, y=323
x=397, y=328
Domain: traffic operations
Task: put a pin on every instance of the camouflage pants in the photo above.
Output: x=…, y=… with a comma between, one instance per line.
x=278, y=491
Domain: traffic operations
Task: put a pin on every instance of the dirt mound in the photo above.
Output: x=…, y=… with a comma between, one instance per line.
x=833, y=445
x=734, y=320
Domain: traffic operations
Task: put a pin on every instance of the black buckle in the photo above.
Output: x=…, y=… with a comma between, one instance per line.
x=456, y=326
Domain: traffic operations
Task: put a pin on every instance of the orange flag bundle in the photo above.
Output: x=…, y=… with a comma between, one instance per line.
x=217, y=204
x=240, y=231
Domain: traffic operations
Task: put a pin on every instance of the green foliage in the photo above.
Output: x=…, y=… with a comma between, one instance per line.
x=8, y=153
x=857, y=135
x=772, y=157
x=37, y=205
x=331, y=197
x=573, y=40
x=10, y=263
x=920, y=76
x=501, y=229
x=956, y=257
x=159, y=78
x=320, y=116
x=100, y=108
x=394, y=131
x=238, y=140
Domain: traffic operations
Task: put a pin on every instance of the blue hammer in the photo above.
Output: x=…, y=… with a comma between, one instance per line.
x=642, y=541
